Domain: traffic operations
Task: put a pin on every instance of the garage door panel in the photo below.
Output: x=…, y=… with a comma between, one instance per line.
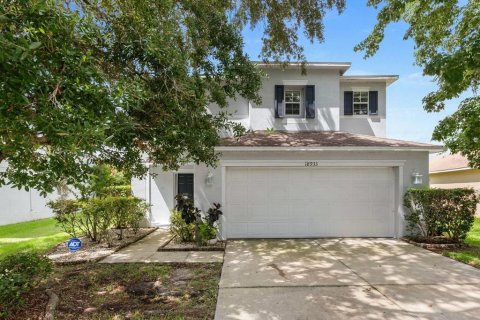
x=237, y=194
x=258, y=212
x=309, y=202
x=258, y=192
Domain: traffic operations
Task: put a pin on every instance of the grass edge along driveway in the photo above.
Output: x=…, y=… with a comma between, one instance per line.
x=470, y=255
x=32, y=236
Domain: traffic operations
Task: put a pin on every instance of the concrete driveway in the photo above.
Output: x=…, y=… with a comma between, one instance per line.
x=343, y=279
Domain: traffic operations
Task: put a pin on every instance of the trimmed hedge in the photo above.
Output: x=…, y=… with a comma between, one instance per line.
x=439, y=212
x=94, y=216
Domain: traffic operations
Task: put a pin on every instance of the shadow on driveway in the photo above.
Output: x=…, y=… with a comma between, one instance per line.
x=344, y=279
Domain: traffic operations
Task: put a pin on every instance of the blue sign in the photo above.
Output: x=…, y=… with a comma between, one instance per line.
x=74, y=244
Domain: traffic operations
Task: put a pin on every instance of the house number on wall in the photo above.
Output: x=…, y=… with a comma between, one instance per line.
x=311, y=163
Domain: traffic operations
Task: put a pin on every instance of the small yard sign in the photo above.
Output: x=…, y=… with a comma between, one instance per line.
x=74, y=244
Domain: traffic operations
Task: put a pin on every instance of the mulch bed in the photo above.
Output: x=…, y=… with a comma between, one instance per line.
x=436, y=243
x=93, y=251
x=174, y=244
x=126, y=291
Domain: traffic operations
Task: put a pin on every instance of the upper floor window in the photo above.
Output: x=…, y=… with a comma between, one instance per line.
x=293, y=102
x=360, y=102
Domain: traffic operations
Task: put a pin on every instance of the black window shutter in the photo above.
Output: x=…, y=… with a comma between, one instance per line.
x=348, y=103
x=279, y=105
x=310, y=99
x=373, y=102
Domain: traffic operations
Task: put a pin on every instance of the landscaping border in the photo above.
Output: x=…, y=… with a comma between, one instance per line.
x=436, y=246
x=163, y=248
x=94, y=260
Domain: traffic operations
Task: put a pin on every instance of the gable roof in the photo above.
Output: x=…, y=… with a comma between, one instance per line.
x=449, y=162
x=320, y=140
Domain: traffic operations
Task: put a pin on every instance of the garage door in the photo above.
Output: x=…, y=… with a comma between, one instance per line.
x=309, y=202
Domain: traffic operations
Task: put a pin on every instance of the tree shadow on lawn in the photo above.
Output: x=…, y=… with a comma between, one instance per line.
x=135, y=291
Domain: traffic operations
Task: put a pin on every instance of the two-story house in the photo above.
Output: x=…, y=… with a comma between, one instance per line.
x=315, y=163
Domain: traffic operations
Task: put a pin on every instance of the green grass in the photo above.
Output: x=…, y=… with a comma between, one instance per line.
x=33, y=236
x=469, y=255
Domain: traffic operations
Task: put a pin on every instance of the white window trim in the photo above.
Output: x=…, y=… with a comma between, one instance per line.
x=301, y=111
x=368, y=103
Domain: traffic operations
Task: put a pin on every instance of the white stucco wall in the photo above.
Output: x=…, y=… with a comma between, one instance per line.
x=326, y=84
x=163, y=188
x=262, y=116
x=369, y=125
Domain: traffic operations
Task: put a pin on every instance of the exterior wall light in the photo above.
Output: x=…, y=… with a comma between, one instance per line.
x=417, y=178
x=209, y=178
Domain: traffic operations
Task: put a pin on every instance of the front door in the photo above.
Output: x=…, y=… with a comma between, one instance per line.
x=185, y=184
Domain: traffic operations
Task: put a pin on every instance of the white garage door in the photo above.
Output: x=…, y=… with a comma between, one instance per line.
x=309, y=202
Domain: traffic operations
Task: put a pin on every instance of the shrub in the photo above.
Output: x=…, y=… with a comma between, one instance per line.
x=180, y=228
x=434, y=212
x=18, y=274
x=67, y=215
x=186, y=222
x=118, y=191
x=185, y=206
x=94, y=216
x=207, y=232
x=96, y=219
x=127, y=212
x=213, y=214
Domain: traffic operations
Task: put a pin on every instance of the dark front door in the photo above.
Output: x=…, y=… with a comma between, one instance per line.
x=185, y=184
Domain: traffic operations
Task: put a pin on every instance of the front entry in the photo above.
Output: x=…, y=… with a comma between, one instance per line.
x=185, y=184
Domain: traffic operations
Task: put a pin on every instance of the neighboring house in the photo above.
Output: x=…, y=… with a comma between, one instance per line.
x=20, y=205
x=326, y=170
x=453, y=171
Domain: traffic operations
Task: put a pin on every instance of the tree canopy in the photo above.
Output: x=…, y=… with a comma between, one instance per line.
x=122, y=82
x=447, y=45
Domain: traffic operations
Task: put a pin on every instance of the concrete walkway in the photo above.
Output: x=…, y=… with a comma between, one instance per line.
x=344, y=279
x=145, y=251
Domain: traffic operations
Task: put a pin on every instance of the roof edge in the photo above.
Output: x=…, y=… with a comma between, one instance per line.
x=389, y=79
x=452, y=170
x=430, y=149
x=313, y=65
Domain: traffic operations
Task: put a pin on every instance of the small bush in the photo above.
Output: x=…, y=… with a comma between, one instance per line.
x=18, y=274
x=96, y=219
x=127, y=212
x=67, y=215
x=207, y=232
x=213, y=214
x=435, y=212
x=178, y=227
x=185, y=205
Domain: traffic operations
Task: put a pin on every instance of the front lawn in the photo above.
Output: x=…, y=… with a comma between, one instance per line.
x=32, y=236
x=469, y=255
x=128, y=291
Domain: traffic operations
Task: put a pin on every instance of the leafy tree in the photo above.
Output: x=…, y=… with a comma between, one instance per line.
x=121, y=82
x=447, y=45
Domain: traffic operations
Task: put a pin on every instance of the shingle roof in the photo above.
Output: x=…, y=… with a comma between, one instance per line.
x=319, y=139
x=448, y=162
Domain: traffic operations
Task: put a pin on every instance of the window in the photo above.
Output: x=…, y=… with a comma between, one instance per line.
x=292, y=102
x=360, y=102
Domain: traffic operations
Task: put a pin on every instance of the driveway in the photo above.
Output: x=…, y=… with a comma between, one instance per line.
x=343, y=279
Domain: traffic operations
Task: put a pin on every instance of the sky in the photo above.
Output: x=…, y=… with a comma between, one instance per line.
x=406, y=118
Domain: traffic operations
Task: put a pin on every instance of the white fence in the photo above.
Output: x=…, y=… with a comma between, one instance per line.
x=20, y=205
